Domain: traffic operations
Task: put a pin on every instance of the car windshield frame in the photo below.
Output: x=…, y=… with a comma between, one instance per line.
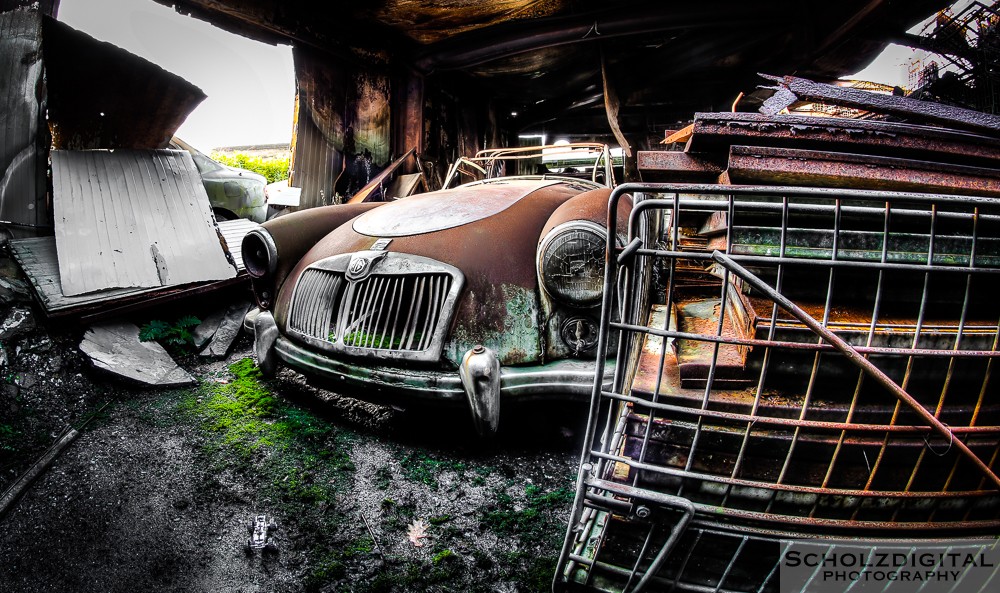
x=489, y=163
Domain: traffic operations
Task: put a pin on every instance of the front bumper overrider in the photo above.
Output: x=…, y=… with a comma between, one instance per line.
x=481, y=383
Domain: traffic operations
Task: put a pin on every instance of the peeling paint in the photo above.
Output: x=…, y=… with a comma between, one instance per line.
x=513, y=334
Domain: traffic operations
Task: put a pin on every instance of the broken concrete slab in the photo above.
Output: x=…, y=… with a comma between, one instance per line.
x=115, y=347
x=207, y=328
x=228, y=330
x=20, y=320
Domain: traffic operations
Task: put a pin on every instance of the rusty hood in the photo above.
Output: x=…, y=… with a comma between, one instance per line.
x=490, y=232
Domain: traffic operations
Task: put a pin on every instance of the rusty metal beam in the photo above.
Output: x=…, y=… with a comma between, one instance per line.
x=791, y=88
x=784, y=166
x=670, y=165
x=714, y=131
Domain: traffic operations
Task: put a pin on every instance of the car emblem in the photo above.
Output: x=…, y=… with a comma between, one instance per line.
x=361, y=264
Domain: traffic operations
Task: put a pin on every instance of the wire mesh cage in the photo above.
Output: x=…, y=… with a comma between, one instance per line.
x=791, y=362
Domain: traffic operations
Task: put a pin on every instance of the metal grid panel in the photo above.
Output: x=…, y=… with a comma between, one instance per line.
x=809, y=359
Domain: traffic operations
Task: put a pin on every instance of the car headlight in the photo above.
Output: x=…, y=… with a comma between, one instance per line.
x=571, y=263
x=260, y=254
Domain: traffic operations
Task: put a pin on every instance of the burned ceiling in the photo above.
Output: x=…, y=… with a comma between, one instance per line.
x=542, y=59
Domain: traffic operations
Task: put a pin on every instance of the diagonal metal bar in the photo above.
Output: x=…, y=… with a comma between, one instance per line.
x=852, y=355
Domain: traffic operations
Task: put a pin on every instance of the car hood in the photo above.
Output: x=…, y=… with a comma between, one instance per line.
x=446, y=209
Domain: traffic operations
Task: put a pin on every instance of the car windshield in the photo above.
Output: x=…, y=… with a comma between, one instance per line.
x=581, y=161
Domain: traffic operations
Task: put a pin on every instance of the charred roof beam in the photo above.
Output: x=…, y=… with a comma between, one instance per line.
x=508, y=39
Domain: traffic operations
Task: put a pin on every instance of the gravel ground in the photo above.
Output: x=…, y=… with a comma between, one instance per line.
x=158, y=489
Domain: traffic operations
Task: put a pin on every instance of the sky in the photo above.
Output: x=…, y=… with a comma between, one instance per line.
x=250, y=85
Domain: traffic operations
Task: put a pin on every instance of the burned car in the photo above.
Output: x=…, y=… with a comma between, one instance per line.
x=468, y=296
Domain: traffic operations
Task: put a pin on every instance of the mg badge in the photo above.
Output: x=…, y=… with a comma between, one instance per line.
x=361, y=264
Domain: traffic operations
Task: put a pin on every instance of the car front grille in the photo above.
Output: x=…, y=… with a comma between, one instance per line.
x=399, y=311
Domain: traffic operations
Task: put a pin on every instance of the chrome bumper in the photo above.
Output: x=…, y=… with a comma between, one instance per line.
x=565, y=379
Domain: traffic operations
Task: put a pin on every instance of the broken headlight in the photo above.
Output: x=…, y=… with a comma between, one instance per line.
x=260, y=254
x=571, y=263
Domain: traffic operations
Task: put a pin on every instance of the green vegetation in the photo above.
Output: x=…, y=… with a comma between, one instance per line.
x=303, y=465
x=274, y=169
x=8, y=437
x=174, y=335
x=532, y=520
x=420, y=467
x=300, y=459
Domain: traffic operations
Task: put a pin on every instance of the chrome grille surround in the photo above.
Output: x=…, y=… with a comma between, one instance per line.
x=399, y=310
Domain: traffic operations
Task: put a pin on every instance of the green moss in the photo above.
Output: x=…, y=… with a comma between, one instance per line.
x=440, y=520
x=8, y=437
x=420, y=467
x=532, y=520
x=442, y=556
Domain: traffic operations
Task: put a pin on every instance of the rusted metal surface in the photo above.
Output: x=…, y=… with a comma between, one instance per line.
x=716, y=131
x=133, y=219
x=101, y=96
x=785, y=166
x=37, y=258
x=809, y=444
x=445, y=209
x=663, y=165
x=23, y=135
x=791, y=88
x=870, y=369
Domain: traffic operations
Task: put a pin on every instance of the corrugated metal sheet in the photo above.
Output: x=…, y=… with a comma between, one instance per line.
x=133, y=218
x=315, y=162
x=101, y=96
x=37, y=258
x=23, y=137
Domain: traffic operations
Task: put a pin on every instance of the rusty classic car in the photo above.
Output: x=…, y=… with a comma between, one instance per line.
x=470, y=295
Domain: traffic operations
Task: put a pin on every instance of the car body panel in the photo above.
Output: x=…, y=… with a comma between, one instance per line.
x=231, y=191
x=500, y=306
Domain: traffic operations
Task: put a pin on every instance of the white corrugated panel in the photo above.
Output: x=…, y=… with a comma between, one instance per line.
x=133, y=218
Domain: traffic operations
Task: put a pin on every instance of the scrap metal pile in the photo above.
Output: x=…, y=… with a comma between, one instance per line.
x=805, y=347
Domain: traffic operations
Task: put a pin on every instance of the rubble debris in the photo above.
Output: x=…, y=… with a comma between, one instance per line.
x=202, y=334
x=226, y=331
x=133, y=218
x=19, y=321
x=791, y=89
x=837, y=152
x=786, y=166
x=115, y=347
